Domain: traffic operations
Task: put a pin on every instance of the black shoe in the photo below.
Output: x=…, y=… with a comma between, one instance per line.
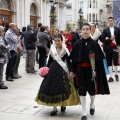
x=3, y=87
x=63, y=109
x=92, y=111
x=34, y=71
x=116, y=77
x=84, y=117
x=17, y=75
x=53, y=113
x=9, y=79
x=110, y=79
x=13, y=77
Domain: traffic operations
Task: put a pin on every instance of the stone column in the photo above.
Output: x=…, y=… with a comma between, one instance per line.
x=27, y=12
x=18, y=14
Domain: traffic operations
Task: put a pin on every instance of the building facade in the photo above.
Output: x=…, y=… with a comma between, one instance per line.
x=24, y=12
x=96, y=11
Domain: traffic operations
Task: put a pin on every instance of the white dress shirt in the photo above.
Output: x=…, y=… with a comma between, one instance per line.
x=112, y=34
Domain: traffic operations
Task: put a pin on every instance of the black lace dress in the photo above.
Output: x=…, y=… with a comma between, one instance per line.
x=56, y=88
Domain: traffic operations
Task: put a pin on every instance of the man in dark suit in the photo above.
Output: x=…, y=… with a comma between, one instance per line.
x=111, y=41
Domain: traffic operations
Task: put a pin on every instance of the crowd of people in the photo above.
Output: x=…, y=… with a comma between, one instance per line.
x=69, y=55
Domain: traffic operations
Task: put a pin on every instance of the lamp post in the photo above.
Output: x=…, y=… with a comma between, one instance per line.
x=104, y=24
x=52, y=17
x=80, y=15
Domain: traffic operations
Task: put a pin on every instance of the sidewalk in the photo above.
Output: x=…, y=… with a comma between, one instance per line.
x=17, y=103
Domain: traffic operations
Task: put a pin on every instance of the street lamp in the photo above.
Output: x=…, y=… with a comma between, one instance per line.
x=80, y=15
x=104, y=24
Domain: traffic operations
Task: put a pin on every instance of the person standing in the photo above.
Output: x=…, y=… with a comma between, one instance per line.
x=19, y=50
x=74, y=37
x=95, y=33
x=12, y=40
x=57, y=88
x=68, y=38
x=89, y=71
x=22, y=41
x=111, y=40
x=43, y=46
x=36, y=33
x=30, y=44
x=4, y=48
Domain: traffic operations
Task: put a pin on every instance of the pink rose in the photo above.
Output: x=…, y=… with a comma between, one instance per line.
x=43, y=71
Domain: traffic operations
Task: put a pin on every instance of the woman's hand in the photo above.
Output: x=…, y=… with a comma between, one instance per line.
x=93, y=74
x=72, y=75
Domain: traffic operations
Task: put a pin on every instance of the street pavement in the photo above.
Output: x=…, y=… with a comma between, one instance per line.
x=17, y=102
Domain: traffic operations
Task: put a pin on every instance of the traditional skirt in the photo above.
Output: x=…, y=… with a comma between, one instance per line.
x=57, y=89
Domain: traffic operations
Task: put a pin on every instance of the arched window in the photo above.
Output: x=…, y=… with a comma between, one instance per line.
x=81, y=4
x=5, y=12
x=33, y=15
x=5, y=4
x=33, y=9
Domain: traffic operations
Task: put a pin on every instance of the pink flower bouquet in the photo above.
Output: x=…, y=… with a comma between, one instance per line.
x=43, y=71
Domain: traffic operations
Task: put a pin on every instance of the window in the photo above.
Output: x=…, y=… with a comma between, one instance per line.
x=33, y=9
x=5, y=4
x=4, y=17
x=81, y=4
x=69, y=6
x=69, y=18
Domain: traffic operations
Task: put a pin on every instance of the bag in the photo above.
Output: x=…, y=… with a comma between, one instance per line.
x=20, y=49
x=106, y=67
x=1, y=55
x=118, y=59
x=41, y=45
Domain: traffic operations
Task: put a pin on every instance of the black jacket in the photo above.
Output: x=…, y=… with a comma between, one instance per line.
x=107, y=33
x=30, y=40
x=74, y=38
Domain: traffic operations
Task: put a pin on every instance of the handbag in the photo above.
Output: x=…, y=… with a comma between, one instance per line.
x=41, y=45
x=2, y=57
x=106, y=67
x=118, y=59
x=20, y=49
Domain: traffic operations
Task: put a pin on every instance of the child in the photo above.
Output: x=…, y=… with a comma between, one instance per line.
x=57, y=88
x=90, y=80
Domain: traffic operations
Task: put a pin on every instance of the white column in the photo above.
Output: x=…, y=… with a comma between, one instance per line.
x=17, y=22
x=41, y=10
x=45, y=14
x=91, y=3
x=48, y=14
x=27, y=12
x=95, y=17
x=88, y=3
x=23, y=13
x=91, y=17
x=58, y=15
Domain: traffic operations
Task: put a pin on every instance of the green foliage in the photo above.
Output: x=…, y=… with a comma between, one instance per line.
x=69, y=26
x=53, y=16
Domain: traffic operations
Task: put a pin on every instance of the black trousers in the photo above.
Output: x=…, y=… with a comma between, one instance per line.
x=111, y=55
x=85, y=82
x=42, y=56
x=11, y=64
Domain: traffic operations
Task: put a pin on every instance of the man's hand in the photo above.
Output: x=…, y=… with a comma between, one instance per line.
x=93, y=74
x=107, y=38
x=72, y=75
x=112, y=38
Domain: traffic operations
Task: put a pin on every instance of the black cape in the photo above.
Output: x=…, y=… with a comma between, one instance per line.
x=80, y=53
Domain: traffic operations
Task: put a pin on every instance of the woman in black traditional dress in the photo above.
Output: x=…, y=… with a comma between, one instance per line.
x=90, y=80
x=57, y=88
